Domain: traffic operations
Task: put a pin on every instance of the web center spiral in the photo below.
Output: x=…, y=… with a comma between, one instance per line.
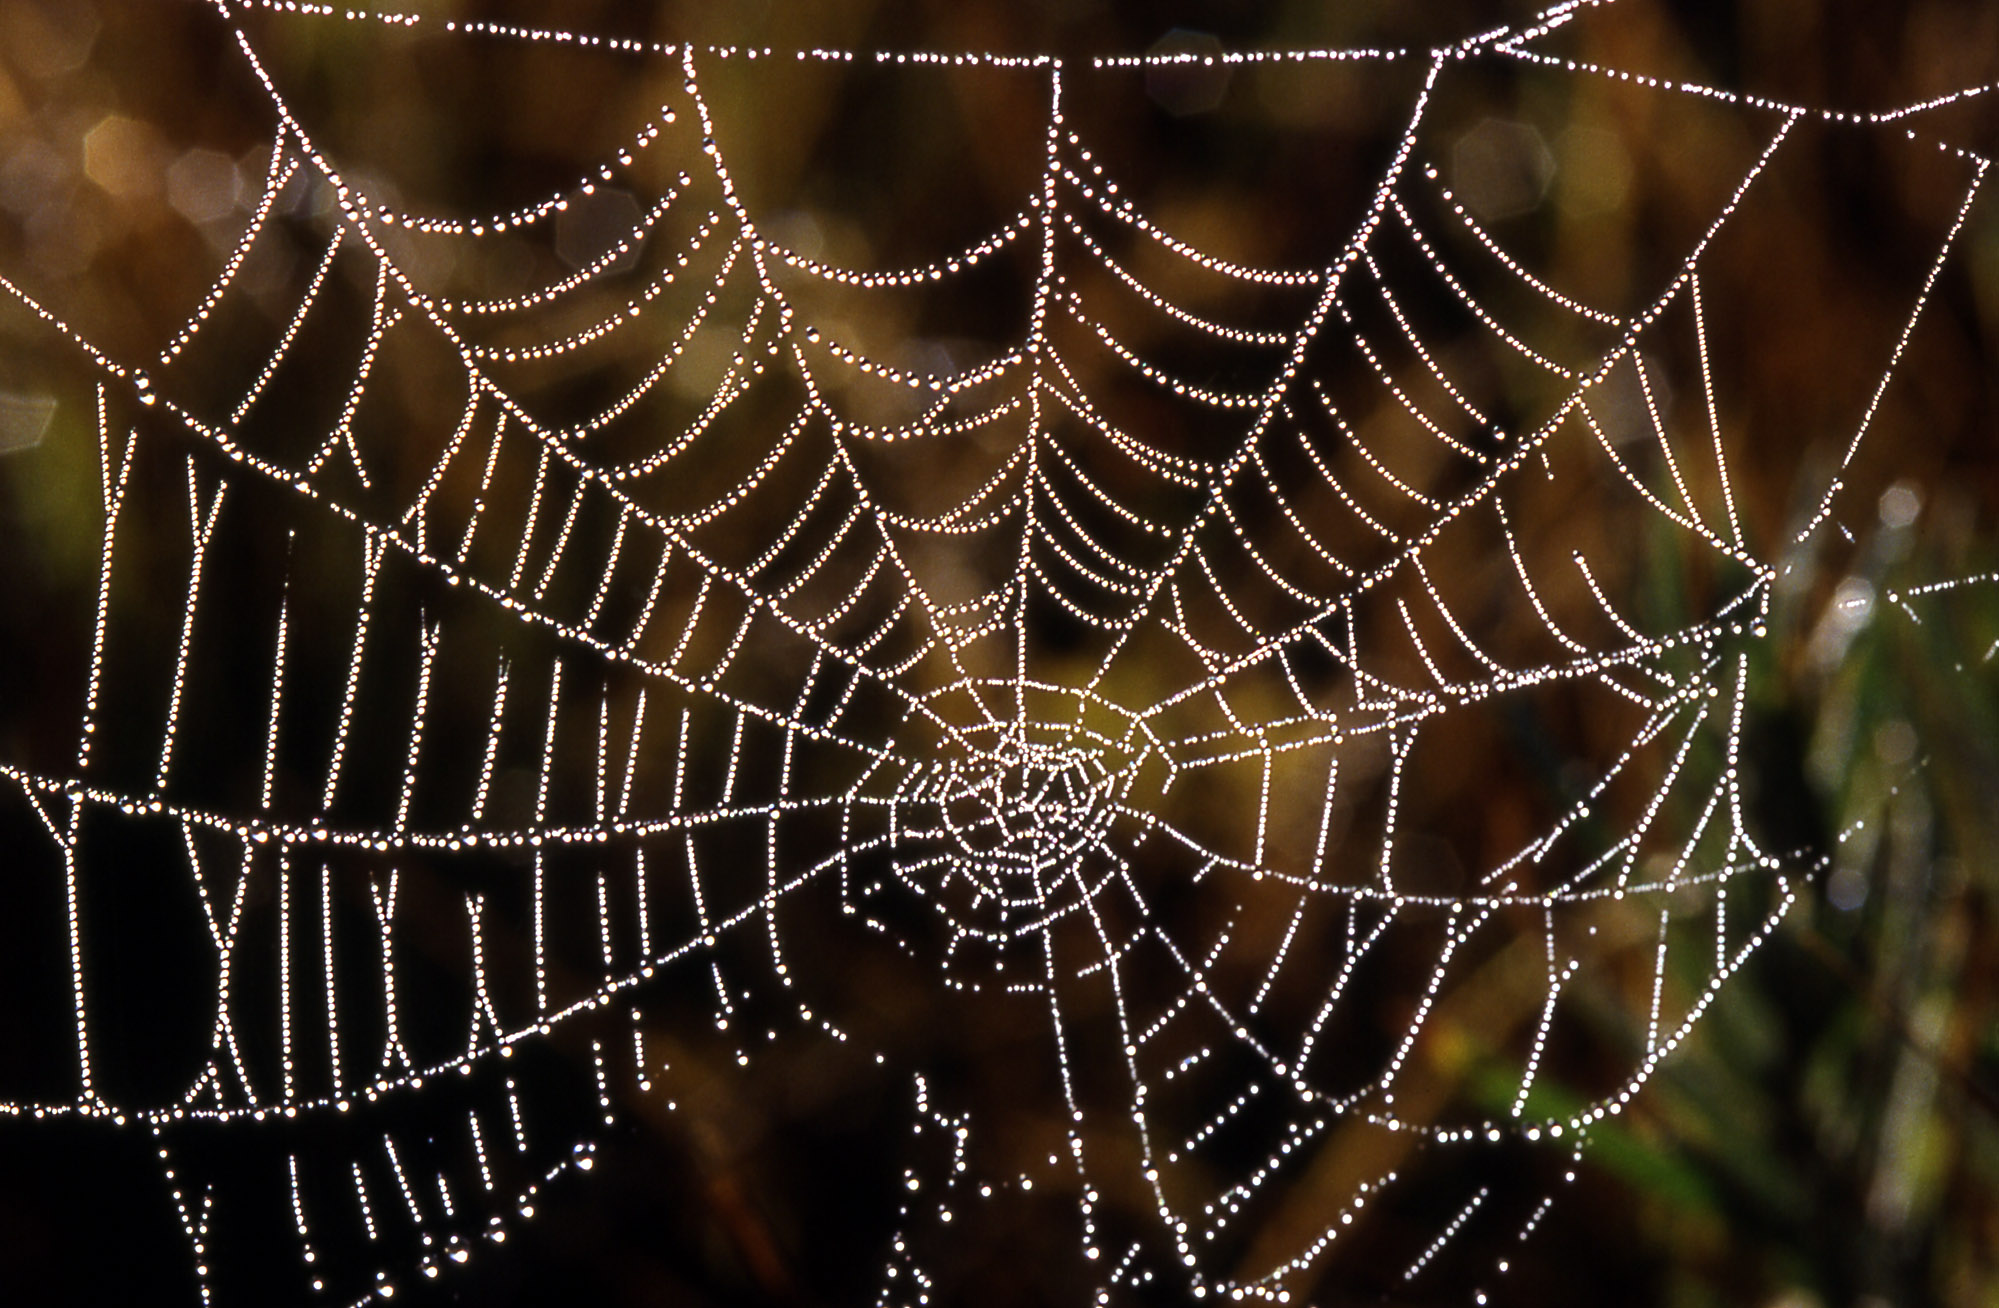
x=1004, y=837
x=1018, y=820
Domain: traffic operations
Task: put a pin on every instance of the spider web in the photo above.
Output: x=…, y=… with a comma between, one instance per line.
x=531, y=708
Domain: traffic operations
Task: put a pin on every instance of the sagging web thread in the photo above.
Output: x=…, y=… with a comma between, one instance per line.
x=796, y=714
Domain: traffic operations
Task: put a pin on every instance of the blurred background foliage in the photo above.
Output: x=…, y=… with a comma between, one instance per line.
x=1829, y=1137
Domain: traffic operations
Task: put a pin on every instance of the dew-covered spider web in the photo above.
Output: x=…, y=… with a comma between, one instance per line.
x=1199, y=746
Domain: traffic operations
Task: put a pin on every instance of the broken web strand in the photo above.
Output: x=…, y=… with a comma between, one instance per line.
x=381, y=539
